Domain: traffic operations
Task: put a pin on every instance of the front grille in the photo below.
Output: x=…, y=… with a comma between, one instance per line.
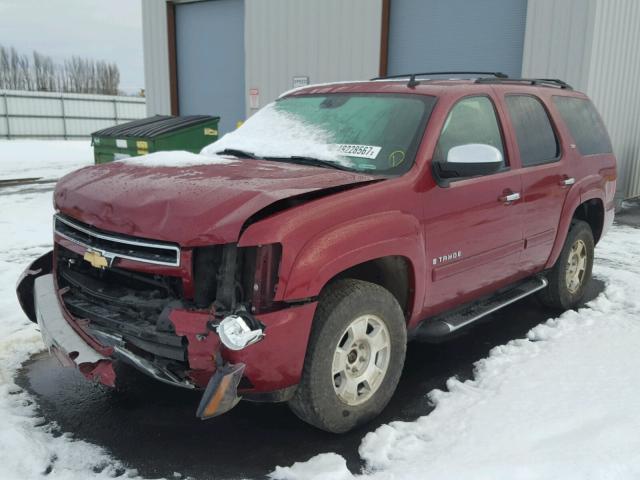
x=130, y=304
x=116, y=245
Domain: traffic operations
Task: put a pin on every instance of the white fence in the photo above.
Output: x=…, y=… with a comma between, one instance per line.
x=63, y=115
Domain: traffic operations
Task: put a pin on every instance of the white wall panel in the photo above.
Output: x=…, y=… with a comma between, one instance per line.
x=56, y=115
x=43, y=107
x=595, y=46
x=326, y=40
x=156, y=57
x=613, y=84
x=558, y=39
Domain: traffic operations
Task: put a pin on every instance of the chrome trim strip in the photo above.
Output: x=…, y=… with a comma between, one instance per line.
x=110, y=254
x=543, y=283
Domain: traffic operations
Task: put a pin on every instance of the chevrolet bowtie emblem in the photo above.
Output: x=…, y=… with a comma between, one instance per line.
x=96, y=259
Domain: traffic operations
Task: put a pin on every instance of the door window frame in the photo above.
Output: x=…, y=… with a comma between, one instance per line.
x=444, y=182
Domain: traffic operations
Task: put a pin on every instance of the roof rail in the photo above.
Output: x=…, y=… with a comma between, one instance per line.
x=413, y=82
x=544, y=82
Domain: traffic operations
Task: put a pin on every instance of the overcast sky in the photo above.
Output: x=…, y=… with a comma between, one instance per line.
x=101, y=29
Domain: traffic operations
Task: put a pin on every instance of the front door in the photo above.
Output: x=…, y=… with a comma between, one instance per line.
x=474, y=226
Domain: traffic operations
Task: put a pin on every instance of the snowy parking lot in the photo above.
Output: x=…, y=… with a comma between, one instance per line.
x=562, y=402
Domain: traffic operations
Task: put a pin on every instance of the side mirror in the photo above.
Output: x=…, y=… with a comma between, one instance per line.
x=470, y=160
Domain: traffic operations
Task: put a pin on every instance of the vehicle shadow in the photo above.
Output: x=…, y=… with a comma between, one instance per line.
x=152, y=427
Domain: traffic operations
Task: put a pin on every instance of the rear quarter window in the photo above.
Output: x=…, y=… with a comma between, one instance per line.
x=585, y=125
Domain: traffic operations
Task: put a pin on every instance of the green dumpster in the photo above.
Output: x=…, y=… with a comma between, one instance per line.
x=154, y=134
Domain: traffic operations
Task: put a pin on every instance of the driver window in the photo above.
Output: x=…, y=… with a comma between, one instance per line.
x=471, y=120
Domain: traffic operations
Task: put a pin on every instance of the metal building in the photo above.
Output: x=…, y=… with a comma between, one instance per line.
x=232, y=57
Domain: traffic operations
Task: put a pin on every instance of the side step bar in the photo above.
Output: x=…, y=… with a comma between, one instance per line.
x=448, y=322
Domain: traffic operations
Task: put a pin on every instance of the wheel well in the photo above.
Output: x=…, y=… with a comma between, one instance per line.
x=392, y=273
x=592, y=212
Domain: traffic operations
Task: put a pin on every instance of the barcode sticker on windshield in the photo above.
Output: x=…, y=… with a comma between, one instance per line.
x=360, y=151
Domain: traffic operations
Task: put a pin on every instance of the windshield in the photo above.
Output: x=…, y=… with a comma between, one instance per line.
x=376, y=133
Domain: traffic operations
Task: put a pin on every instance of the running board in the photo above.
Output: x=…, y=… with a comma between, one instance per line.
x=448, y=322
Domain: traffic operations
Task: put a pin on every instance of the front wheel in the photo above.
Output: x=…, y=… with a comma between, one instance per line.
x=354, y=358
x=572, y=271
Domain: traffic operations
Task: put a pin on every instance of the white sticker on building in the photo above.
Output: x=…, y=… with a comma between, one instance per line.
x=359, y=151
x=299, y=82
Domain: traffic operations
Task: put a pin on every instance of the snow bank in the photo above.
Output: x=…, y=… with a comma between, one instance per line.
x=562, y=403
x=27, y=450
x=43, y=158
x=295, y=138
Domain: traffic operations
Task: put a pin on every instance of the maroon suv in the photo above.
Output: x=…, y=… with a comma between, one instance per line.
x=293, y=259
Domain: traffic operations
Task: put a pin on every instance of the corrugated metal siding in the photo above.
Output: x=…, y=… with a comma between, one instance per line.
x=613, y=84
x=156, y=57
x=558, y=40
x=595, y=46
x=56, y=115
x=446, y=35
x=326, y=40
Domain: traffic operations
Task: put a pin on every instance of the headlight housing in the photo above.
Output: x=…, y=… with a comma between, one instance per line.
x=237, y=332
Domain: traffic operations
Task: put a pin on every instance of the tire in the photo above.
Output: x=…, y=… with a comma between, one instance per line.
x=561, y=292
x=327, y=399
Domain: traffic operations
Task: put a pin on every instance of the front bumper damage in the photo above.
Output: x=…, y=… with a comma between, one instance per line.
x=266, y=370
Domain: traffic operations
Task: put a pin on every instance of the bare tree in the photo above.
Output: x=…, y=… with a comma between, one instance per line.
x=75, y=75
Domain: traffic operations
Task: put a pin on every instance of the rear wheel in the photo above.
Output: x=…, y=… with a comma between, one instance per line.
x=570, y=275
x=354, y=359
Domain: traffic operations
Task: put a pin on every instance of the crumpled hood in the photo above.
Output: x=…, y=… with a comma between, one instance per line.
x=195, y=205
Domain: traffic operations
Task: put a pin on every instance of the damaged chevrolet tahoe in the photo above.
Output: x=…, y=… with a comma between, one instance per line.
x=292, y=260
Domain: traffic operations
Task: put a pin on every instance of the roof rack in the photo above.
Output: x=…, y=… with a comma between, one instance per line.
x=413, y=82
x=544, y=82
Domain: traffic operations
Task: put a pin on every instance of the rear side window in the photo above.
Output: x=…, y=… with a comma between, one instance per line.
x=537, y=141
x=585, y=125
x=471, y=120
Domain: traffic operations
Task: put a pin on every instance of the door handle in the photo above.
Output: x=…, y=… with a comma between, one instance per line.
x=510, y=197
x=565, y=182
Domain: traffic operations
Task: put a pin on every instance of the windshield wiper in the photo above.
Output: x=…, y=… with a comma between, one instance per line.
x=315, y=162
x=237, y=153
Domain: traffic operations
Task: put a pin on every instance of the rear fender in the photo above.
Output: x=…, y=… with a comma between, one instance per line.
x=349, y=244
x=574, y=199
x=24, y=287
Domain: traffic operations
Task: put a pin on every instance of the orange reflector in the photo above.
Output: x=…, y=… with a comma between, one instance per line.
x=221, y=394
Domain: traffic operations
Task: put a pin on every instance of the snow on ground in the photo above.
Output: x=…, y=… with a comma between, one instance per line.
x=43, y=158
x=27, y=450
x=562, y=403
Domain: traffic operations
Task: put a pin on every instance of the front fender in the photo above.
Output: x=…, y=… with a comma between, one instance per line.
x=24, y=286
x=351, y=243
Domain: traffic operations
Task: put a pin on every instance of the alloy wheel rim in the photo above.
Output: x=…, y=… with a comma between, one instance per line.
x=576, y=266
x=361, y=359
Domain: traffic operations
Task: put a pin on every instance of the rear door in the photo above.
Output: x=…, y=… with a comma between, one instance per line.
x=473, y=231
x=545, y=179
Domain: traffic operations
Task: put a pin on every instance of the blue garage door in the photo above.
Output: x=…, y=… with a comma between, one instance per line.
x=210, y=60
x=436, y=35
